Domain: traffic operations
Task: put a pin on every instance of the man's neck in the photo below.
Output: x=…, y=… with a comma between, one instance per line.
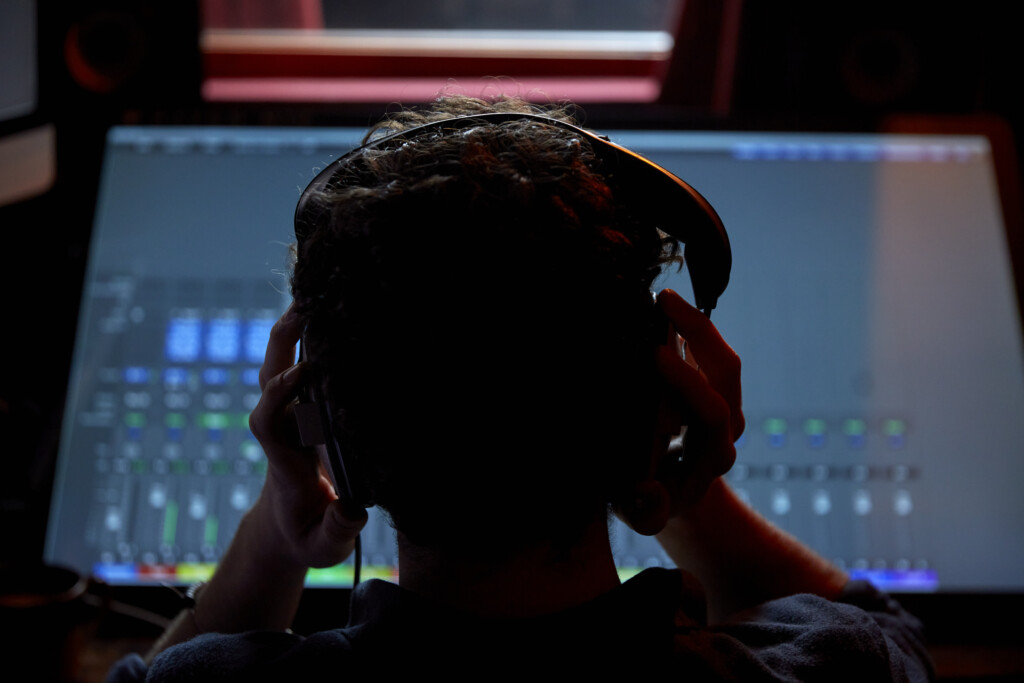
x=535, y=582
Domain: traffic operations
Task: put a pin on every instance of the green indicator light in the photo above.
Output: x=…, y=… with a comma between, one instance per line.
x=193, y=572
x=386, y=573
x=814, y=427
x=220, y=467
x=175, y=421
x=138, y=467
x=179, y=467
x=775, y=426
x=243, y=420
x=170, y=522
x=260, y=467
x=627, y=573
x=854, y=427
x=214, y=421
x=210, y=531
x=894, y=427
x=329, y=576
x=135, y=419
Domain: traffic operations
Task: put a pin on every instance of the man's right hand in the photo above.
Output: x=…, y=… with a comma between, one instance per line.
x=705, y=396
x=739, y=557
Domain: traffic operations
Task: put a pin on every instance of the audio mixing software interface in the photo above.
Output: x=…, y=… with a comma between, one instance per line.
x=872, y=301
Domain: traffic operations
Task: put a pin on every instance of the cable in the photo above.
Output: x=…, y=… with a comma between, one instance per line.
x=358, y=561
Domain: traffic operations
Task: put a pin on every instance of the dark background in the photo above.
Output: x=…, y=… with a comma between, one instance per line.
x=800, y=65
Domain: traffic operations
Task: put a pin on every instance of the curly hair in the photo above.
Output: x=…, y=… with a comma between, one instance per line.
x=477, y=304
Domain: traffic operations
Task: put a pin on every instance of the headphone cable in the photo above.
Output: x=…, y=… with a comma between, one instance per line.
x=357, y=561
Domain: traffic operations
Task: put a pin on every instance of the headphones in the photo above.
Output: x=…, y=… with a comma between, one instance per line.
x=654, y=195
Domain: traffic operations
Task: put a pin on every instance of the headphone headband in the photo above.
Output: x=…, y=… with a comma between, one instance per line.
x=652, y=193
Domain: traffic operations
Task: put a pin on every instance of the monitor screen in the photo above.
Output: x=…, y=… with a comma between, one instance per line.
x=872, y=300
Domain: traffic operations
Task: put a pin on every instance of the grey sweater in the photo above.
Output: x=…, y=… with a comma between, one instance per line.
x=653, y=623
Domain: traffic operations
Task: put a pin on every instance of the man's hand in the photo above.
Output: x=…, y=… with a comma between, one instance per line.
x=297, y=522
x=706, y=397
x=298, y=513
x=739, y=557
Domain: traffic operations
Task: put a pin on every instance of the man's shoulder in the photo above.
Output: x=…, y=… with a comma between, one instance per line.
x=863, y=635
x=252, y=656
x=657, y=615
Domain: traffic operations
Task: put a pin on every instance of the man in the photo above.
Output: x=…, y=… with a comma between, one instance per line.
x=474, y=305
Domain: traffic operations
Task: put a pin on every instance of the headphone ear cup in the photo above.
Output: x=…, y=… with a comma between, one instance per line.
x=311, y=429
x=313, y=418
x=646, y=508
x=307, y=412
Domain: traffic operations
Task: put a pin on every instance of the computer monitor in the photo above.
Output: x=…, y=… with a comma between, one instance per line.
x=873, y=302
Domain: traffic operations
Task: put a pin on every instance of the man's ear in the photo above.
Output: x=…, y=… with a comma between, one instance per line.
x=645, y=508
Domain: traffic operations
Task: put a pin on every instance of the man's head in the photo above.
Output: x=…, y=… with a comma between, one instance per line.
x=478, y=307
